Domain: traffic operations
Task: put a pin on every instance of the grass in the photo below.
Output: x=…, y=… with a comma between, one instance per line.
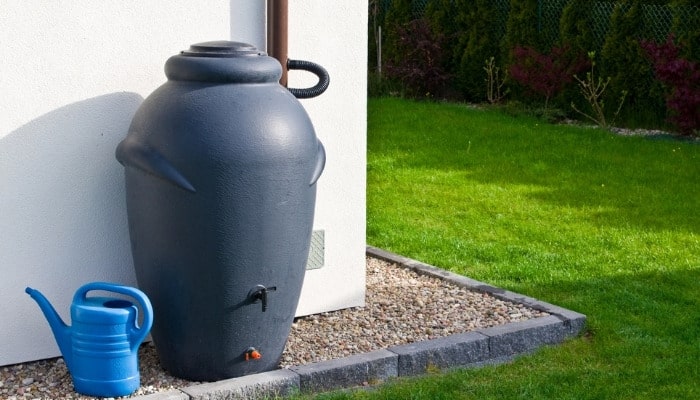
x=602, y=224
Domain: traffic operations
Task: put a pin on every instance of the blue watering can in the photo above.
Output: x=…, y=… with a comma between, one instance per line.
x=101, y=348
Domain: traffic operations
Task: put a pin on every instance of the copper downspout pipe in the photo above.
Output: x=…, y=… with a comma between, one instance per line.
x=277, y=16
x=277, y=27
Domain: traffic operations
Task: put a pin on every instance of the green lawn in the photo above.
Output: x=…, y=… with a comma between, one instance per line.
x=601, y=224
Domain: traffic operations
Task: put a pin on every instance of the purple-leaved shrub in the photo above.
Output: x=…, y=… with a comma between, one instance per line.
x=419, y=64
x=682, y=79
x=545, y=74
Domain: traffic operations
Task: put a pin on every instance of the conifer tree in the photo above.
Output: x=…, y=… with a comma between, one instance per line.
x=521, y=28
x=576, y=37
x=686, y=27
x=575, y=26
x=398, y=15
x=478, y=45
x=624, y=61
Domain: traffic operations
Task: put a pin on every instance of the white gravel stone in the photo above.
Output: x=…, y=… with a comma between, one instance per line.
x=401, y=307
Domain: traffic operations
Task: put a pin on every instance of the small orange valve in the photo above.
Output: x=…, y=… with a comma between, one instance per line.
x=252, y=354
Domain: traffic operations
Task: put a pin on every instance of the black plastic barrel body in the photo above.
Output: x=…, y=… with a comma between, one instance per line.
x=221, y=164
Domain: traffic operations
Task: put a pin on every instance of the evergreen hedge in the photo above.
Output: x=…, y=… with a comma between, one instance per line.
x=476, y=30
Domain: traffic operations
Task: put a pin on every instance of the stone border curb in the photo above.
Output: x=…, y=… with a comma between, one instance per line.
x=373, y=367
x=472, y=349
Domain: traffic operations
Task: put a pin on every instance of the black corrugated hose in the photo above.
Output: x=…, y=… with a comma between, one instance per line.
x=323, y=79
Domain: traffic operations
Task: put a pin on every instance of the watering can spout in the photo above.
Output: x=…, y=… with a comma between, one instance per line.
x=60, y=330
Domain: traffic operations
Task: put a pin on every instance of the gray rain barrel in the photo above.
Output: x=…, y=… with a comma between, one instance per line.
x=221, y=164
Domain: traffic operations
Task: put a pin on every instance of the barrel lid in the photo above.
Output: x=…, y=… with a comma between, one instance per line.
x=223, y=61
x=222, y=48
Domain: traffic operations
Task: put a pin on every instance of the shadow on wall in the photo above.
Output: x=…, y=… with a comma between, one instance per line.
x=62, y=215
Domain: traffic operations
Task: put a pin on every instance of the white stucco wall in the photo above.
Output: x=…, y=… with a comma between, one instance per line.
x=72, y=76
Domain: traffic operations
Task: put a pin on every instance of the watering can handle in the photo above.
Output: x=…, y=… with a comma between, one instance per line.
x=145, y=327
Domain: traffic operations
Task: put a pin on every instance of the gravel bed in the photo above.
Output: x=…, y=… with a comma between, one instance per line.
x=649, y=133
x=401, y=307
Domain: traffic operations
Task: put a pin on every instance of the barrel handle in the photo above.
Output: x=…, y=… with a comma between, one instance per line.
x=139, y=333
x=323, y=79
x=320, y=163
x=132, y=152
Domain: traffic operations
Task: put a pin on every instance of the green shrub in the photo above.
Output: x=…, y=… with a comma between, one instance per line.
x=624, y=61
x=575, y=26
x=576, y=36
x=444, y=17
x=479, y=17
x=521, y=28
x=686, y=26
x=399, y=13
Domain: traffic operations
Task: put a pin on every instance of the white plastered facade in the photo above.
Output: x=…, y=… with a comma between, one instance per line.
x=72, y=76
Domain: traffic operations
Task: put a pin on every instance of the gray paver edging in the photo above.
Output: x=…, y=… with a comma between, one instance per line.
x=471, y=349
